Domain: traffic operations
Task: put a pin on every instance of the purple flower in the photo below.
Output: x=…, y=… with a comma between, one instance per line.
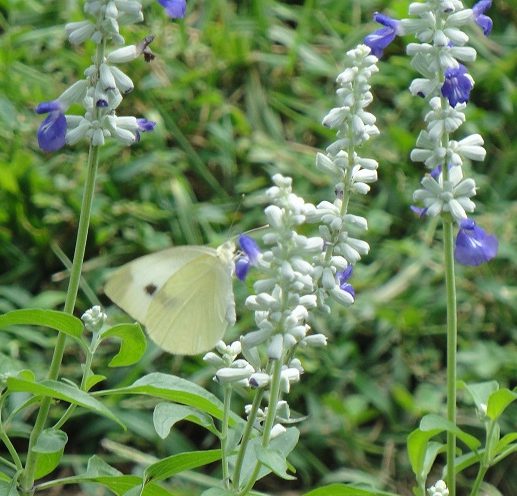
x=483, y=21
x=419, y=211
x=473, y=245
x=52, y=131
x=342, y=278
x=380, y=39
x=249, y=257
x=174, y=8
x=457, y=85
x=144, y=126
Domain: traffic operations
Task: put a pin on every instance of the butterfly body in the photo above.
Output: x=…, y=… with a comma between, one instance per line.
x=182, y=295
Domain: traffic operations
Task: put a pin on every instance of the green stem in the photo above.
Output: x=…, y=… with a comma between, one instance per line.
x=7, y=442
x=452, y=344
x=274, y=396
x=224, y=434
x=71, y=296
x=246, y=436
x=486, y=459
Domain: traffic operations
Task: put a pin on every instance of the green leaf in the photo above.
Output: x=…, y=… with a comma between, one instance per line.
x=342, y=490
x=23, y=382
x=176, y=389
x=283, y=443
x=172, y=465
x=417, y=443
x=93, y=380
x=8, y=489
x=480, y=393
x=432, y=422
x=132, y=346
x=118, y=484
x=165, y=415
x=217, y=491
x=274, y=460
x=59, y=321
x=49, y=448
x=499, y=401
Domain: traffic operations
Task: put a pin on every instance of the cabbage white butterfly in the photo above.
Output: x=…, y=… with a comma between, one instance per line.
x=182, y=295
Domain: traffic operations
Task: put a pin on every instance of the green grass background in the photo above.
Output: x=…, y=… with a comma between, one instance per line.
x=238, y=90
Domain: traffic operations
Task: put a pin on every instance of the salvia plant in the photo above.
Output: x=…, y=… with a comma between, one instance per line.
x=301, y=267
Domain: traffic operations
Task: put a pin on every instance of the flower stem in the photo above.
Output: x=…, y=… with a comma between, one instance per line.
x=452, y=343
x=224, y=434
x=246, y=436
x=274, y=396
x=71, y=296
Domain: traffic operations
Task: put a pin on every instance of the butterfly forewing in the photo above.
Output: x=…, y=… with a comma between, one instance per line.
x=193, y=308
x=133, y=286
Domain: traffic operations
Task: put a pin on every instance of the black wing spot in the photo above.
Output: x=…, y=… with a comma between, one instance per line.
x=150, y=289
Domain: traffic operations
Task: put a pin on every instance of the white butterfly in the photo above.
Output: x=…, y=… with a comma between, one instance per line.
x=182, y=295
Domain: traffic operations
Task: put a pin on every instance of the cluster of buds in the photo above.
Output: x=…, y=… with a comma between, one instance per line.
x=351, y=174
x=104, y=84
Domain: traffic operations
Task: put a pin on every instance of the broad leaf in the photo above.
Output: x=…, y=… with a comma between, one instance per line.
x=8, y=489
x=480, y=393
x=499, y=401
x=283, y=443
x=49, y=448
x=274, y=460
x=432, y=422
x=53, y=319
x=132, y=346
x=23, y=382
x=176, y=389
x=342, y=490
x=165, y=415
x=175, y=464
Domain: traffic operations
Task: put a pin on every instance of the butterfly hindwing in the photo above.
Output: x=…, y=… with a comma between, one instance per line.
x=192, y=310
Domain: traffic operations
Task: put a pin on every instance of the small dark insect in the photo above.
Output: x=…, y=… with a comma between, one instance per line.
x=145, y=49
x=150, y=289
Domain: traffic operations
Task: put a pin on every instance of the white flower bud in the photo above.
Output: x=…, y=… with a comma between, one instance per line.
x=275, y=348
x=124, y=54
x=277, y=430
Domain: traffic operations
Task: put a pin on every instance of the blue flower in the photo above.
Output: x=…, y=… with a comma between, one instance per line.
x=483, y=21
x=249, y=257
x=174, y=8
x=342, y=277
x=380, y=39
x=473, y=245
x=457, y=85
x=52, y=131
x=144, y=126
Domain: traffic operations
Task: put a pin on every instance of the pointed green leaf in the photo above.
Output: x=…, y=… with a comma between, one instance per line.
x=93, y=380
x=342, y=490
x=8, y=489
x=60, y=391
x=165, y=415
x=417, y=443
x=59, y=321
x=283, y=443
x=118, y=484
x=172, y=465
x=480, y=393
x=176, y=389
x=49, y=448
x=217, y=491
x=432, y=422
x=132, y=346
x=499, y=401
x=274, y=460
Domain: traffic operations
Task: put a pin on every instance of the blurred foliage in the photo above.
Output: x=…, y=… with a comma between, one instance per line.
x=238, y=90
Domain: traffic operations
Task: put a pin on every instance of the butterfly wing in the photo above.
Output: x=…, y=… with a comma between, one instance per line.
x=133, y=286
x=192, y=310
